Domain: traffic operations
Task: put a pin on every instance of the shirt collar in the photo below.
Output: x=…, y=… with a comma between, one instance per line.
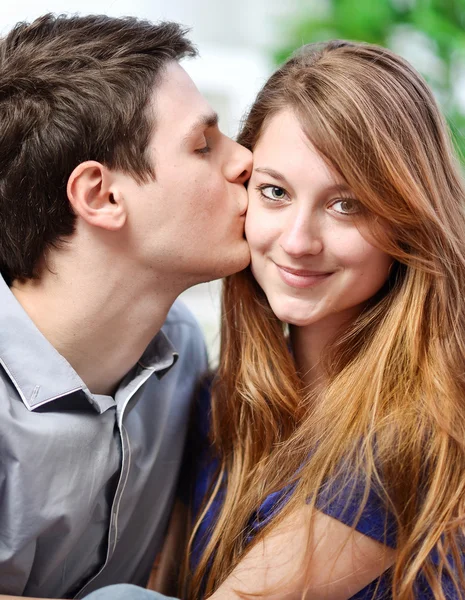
x=39, y=372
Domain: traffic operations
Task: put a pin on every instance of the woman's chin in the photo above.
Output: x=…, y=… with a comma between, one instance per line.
x=294, y=317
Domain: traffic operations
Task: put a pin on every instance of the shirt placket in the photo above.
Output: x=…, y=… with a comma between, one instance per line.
x=123, y=479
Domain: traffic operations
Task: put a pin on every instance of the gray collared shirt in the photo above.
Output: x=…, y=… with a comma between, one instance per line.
x=87, y=481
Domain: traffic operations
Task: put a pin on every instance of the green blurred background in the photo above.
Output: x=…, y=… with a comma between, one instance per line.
x=428, y=33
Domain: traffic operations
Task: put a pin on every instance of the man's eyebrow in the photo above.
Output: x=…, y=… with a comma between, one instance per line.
x=203, y=122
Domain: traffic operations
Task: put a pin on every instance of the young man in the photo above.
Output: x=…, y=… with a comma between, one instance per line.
x=117, y=192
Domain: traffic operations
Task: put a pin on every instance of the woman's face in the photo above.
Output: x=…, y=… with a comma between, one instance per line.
x=309, y=256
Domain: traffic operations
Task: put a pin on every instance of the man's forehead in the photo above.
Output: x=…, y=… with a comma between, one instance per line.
x=178, y=102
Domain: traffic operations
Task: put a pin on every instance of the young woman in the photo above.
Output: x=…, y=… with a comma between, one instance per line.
x=338, y=411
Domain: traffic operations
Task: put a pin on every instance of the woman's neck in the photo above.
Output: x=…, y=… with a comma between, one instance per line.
x=311, y=343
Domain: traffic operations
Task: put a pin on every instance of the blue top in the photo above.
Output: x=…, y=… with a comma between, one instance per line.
x=341, y=501
x=87, y=480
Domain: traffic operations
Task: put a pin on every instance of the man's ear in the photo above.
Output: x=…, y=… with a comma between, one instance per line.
x=94, y=197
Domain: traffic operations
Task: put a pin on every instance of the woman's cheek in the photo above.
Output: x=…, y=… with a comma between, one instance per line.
x=260, y=229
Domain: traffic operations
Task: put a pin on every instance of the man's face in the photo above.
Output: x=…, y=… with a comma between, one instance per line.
x=187, y=225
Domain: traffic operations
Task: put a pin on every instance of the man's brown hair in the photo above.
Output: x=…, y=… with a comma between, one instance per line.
x=71, y=89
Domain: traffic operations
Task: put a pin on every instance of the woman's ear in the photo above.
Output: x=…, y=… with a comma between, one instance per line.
x=95, y=198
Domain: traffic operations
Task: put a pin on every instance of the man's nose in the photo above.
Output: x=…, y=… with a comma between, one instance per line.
x=239, y=167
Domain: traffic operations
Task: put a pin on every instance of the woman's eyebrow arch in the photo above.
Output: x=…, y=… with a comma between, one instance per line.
x=341, y=187
x=275, y=174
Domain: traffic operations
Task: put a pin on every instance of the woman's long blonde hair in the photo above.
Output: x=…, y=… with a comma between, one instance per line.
x=394, y=407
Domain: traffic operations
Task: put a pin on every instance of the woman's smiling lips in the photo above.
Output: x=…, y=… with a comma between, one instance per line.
x=301, y=278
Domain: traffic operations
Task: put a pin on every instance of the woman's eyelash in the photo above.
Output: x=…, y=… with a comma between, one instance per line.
x=275, y=194
x=261, y=189
x=352, y=203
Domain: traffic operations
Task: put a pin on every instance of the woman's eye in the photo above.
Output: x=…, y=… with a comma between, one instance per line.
x=272, y=192
x=346, y=206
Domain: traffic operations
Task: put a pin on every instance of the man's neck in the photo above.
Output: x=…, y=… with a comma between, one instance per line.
x=100, y=321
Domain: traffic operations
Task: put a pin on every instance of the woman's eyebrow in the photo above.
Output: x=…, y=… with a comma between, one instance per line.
x=341, y=187
x=272, y=173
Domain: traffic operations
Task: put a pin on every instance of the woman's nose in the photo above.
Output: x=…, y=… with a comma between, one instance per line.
x=302, y=236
